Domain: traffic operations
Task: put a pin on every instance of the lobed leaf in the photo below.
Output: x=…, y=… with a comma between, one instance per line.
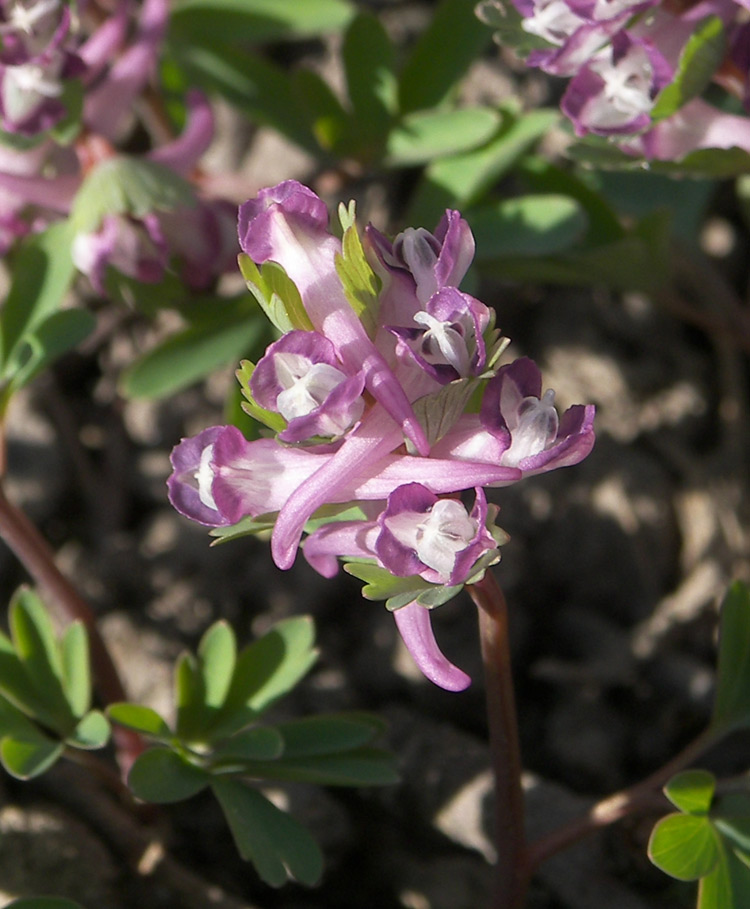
x=274, y=842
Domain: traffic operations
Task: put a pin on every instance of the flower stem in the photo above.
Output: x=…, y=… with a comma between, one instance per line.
x=512, y=866
x=32, y=550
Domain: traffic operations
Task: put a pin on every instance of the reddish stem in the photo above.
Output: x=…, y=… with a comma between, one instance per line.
x=512, y=868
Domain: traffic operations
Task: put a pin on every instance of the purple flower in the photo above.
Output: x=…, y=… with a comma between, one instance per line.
x=415, y=627
x=134, y=247
x=301, y=378
x=515, y=411
x=288, y=224
x=423, y=262
x=615, y=91
x=434, y=538
x=450, y=345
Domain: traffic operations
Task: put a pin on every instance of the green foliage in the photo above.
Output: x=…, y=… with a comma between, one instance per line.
x=45, y=691
x=276, y=294
x=256, y=21
x=125, y=185
x=218, y=743
x=732, y=701
x=34, y=331
x=699, y=60
x=709, y=841
x=452, y=41
x=219, y=334
x=423, y=136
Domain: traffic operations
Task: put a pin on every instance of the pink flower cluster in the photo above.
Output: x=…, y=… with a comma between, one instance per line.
x=387, y=401
x=620, y=54
x=68, y=84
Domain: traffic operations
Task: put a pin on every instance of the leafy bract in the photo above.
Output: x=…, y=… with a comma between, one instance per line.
x=699, y=60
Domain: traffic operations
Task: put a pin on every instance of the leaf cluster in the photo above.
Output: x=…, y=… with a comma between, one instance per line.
x=218, y=743
x=45, y=691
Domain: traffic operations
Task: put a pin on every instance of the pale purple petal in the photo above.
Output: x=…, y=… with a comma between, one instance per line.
x=415, y=627
x=182, y=154
x=340, y=539
x=191, y=480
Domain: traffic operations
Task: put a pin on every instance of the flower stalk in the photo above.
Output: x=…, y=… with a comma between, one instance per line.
x=512, y=868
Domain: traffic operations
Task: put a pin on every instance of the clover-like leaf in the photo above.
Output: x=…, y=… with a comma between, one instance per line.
x=685, y=846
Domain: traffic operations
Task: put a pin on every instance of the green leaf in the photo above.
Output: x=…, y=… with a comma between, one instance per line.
x=18, y=688
x=217, y=654
x=42, y=272
x=318, y=735
x=261, y=743
x=691, y=791
x=731, y=818
x=43, y=902
x=359, y=767
x=422, y=136
x=92, y=732
x=257, y=21
x=732, y=699
x=37, y=648
x=267, y=670
x=276, y=293
x=273, y=841
x=453, y=40
x=462, y=180
x=328, y=121
x=160, y=775
x=124, y=185
x=28, y=756
x=684, y=846
x=701, y=56
x=76, y=668
x=140, y=718
x=193, y=718
x=260, y=89
x=13, y=722
x=527, y=226
x=369, y=63
x=728, y=885
x=59, y=333
x=195, y=352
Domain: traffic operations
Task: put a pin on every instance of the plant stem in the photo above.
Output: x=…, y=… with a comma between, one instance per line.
x=32, y=550
x=512, y=867
x=642, y=796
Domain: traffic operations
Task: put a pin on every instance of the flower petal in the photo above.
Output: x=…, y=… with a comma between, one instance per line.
x=415, y=627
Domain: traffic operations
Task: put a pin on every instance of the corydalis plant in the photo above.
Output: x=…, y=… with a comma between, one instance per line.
x=387, y=400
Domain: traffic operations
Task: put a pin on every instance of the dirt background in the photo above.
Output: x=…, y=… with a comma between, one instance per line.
x=612, y=574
